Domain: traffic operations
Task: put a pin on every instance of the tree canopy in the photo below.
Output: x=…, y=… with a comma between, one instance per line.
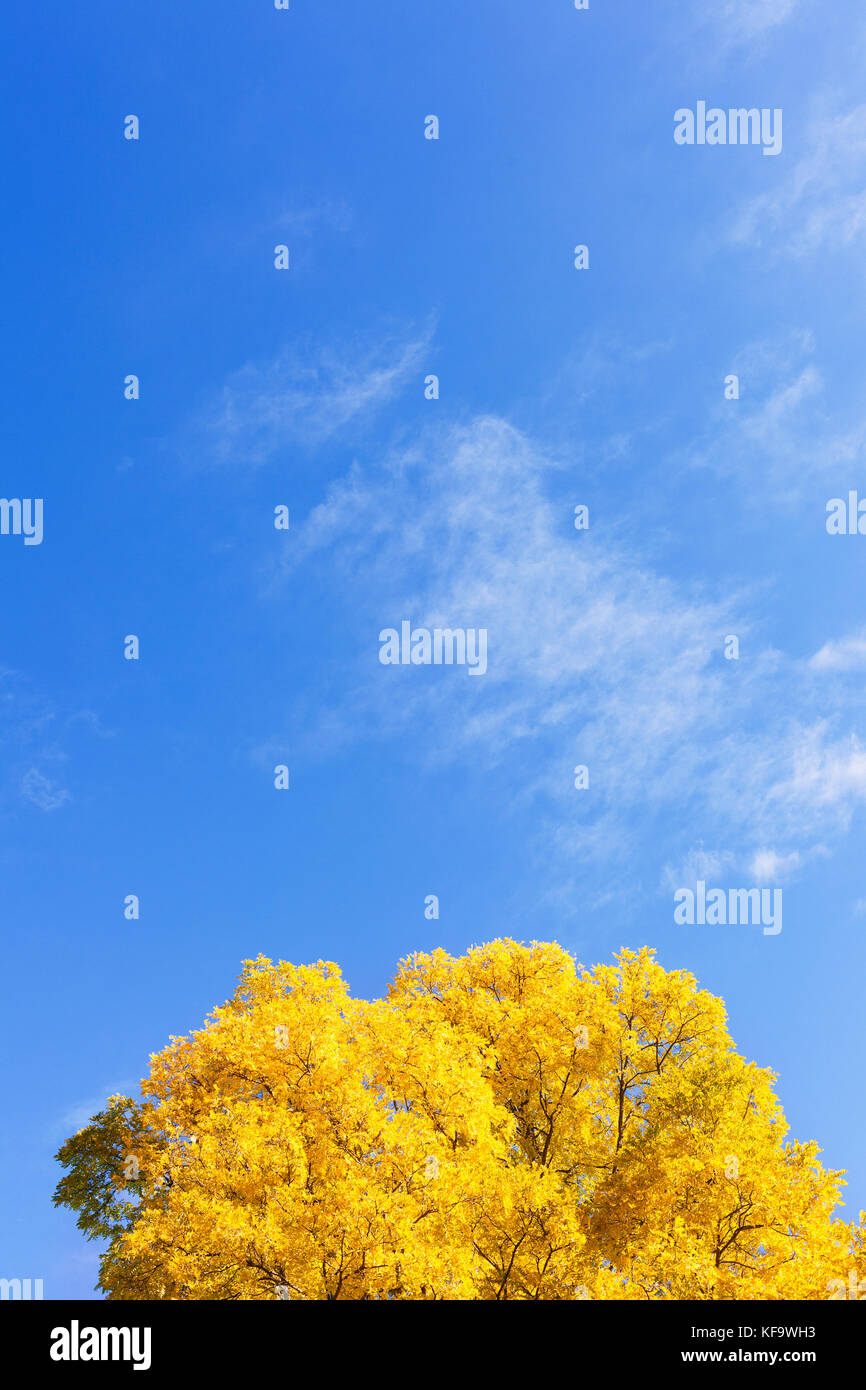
x=502, y=1125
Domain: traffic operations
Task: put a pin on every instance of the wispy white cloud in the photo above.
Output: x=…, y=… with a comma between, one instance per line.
x=769, y=867
x=307, y=218
x=715, y=866
x=594, y=657
x=781, y=436
x=821, y=203
x=826, y=775
x=709, y=865
x=42, y=792
x=77, y=1115
x=847, y=654
x=742, y=27
x=298, y=398
x=749, y=19
x=38, y=739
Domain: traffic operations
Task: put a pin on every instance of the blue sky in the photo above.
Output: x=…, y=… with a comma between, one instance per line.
x=306, y=388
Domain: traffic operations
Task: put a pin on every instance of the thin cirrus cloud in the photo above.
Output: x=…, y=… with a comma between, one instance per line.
x=821, y=203
x=764, y=866
x=748, y=19
x=299, y=397
x=848, y=654
x=769, y=867
x=41, y=791
x=700, y=863
x=729, y=25
x=783, y=435
x=39, y=738
x=828, y=775
x=594, y=657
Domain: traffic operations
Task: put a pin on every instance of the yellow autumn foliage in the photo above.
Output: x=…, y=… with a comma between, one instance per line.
x=505, y=1124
